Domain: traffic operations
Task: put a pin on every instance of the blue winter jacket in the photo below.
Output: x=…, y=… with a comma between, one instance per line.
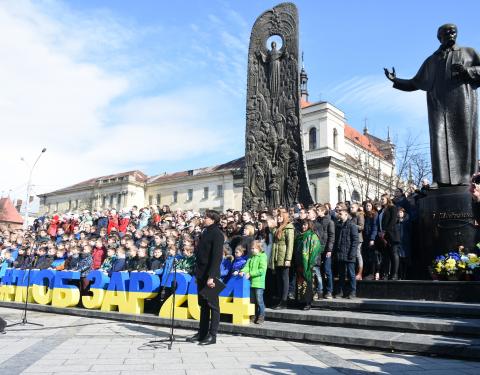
x=225, y=269
x=238, y=263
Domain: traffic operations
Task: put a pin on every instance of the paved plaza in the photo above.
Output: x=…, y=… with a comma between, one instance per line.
x=72, y=345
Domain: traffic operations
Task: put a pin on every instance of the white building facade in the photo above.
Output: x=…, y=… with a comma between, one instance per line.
x=113, y=191
x=342, y=163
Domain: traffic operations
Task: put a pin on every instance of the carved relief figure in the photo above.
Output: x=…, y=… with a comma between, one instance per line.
x=273, y=61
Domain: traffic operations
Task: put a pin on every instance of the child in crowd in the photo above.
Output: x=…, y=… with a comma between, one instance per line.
x=119, y=263
x=58, y=262
x=157, y=261
x=20, y=258
x=6, y=261
x=98, y=254
x=85, y=266
x=255, y=270
x=171, y=255
x=72, y=261
x=43, y=260
x=226, y=265
x=187, y=262
x=43, y=237
x=142, y=260
x=132, y=259
x=109, y=260
x=239, y=260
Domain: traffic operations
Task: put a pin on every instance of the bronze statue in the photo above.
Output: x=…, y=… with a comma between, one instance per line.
x=272, y=176
x=450, y=77
x=273, y=60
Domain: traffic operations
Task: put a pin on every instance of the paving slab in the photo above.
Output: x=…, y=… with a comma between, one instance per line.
x=257, y=356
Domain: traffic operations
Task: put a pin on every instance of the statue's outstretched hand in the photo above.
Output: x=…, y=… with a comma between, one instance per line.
x=390, y=75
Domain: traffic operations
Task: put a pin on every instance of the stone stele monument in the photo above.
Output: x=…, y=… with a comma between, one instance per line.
x=275, y=171
x=450, y=77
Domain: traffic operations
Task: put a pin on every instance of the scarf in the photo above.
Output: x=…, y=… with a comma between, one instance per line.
x=311, y=248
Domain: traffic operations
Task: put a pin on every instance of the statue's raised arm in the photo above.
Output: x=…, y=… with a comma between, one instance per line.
x=390, y=75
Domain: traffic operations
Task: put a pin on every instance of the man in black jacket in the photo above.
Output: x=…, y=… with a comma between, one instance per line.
x=389, y=238
x=345, y=251
x=324, y=227
x=209, y=257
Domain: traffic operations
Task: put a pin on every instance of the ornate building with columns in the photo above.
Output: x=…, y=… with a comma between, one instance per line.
x=113, y=191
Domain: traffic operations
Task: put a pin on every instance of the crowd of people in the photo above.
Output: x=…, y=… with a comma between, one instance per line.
x=290, y=255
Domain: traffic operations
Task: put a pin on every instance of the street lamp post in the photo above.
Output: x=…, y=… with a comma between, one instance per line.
x=29, y=185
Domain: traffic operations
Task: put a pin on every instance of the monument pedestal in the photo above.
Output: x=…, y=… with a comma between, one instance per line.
x=444, y=222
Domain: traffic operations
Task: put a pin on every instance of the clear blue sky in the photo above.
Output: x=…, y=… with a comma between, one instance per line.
x=181, y=65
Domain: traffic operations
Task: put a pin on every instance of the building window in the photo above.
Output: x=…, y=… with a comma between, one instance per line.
x=190, y=195
x=56, y=207
x=119, y=199
x=335, y=139
x=150, y=200
x=111, y=200
x=104, y=201
x=339, y=194
x=355, y=196
x=158, y=198
x=69, y=205
x=175, y=196
x=312, y=139
x=219, y=190
x=205, y=192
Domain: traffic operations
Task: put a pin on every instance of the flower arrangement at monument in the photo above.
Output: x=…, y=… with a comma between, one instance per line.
x=456, y=265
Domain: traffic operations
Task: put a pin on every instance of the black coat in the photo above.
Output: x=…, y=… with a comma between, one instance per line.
x=405, y=233
x=346, y=241
x=209, y=254
x=325, y=229
x=389, y=224
x=142, y=264
x=370, y=228
x=19, y=261
x=156, y=263
x=131, y=263
x=44, y=262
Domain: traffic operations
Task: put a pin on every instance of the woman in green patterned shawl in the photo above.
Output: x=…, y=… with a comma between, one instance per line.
x=307, y=249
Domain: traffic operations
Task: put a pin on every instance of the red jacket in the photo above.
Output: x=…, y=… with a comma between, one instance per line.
x=124, y=221
x=52, y=228
x=112, y=223
x=98, y=256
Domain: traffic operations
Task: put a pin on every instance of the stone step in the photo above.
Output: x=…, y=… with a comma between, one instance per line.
x=438, y=344
x=450, y=309
x=444, y=345
x=379, y=321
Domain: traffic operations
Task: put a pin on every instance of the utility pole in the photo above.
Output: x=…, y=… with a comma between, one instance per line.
x=29, y=186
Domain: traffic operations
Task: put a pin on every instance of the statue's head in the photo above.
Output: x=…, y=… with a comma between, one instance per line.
x=447, y=34
x=274, y=45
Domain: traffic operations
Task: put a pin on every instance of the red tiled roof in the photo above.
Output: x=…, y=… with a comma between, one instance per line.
x=8, y=212
x=305, y=104
x=363, y=141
